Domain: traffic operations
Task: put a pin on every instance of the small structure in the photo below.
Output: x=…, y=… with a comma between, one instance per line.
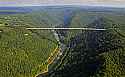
x=60, y=53
x=26, y=34
x=1, y=31
x=1, y=24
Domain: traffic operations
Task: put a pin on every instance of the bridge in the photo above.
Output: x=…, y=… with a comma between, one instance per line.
x=91, y=29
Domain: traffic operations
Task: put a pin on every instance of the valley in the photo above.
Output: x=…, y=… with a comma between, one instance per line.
x=94, y=48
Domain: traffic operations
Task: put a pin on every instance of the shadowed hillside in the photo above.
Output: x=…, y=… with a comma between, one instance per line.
x=88, y=53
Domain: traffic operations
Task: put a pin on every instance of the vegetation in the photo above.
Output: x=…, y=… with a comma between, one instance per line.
x=93, y=53
x=34, y=53
x=23, y=53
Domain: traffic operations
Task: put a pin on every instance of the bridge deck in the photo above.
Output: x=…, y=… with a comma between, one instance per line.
x=66, y=29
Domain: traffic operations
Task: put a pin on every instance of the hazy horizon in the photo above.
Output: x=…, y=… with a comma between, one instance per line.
x=107, y=3
x=112, y=6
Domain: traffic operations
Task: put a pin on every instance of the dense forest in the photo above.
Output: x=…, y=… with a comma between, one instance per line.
x=93, y=54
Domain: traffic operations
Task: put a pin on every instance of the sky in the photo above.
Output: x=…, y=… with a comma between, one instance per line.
x=115, y=3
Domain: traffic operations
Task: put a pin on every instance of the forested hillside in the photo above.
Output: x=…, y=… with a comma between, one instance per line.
x=93, y=53
x=23, y=53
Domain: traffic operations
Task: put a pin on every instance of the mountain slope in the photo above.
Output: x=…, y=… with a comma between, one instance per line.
x=84, y=56
x=22, y=52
